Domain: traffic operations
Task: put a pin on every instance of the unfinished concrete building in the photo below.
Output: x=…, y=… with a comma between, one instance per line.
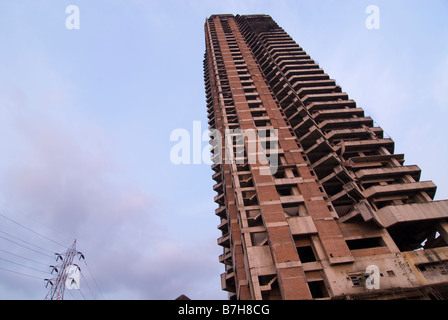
x=341, y=217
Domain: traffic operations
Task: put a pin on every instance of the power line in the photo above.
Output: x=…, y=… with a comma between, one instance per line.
x=44, y=264
x=39, y=252
x=17, y=238
x=35, y=221
x=31, y=230
x=85, y=280
x=72, y=295
x=82, y=294
x=23, y=274
x=26, y=247
x=93, y=277
x=22, y=265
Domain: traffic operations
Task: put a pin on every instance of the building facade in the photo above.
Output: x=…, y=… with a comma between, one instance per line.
x=333, y=213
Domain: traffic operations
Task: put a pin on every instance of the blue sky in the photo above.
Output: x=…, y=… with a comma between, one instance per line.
x=86, y=117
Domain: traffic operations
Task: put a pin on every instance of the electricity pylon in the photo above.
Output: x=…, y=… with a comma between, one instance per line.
x=57, y=285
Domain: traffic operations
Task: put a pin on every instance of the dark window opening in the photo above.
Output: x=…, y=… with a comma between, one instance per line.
x=284, y=191
x=262, y=123
x=295, y=209
x=306, y=254
x=318, y=289
x=246, y=181
x=280, y=174
x=273, y=290
x=365, y=243
x=295, y=173
x=390, y=273
x=242, y=167
x=417, y=235
x=259, y=238
x=254, y=105
x=434, y=268
x=254, y=218
x=356, y=280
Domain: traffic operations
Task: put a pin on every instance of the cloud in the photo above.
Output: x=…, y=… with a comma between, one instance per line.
x=63, y=174
x=66, y=177
x=69, y=182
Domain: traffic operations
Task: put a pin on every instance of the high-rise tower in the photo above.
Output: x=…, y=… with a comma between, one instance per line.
x=337, y=214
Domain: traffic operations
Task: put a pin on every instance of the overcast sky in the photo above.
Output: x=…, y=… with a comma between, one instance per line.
x=86, y=117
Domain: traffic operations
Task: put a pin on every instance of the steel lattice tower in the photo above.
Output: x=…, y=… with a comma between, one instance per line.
x=58, y=284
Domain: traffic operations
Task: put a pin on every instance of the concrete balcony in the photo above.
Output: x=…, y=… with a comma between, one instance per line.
x=401, y=188
x=279, y=41
x=226, y=257
x=392, y=215
x=221, y=212
x=318, y=90
x=294, y=115
x=219, y=199
x=308, y=77
x=288, y=98
x=218, y=175
x=282, y=61
x=228, y=282
x=311, y=137
x=338, y=113
x=320, y=146
x=224, y=226
x=329, y=161
x=350, y=189
x=346, y=123
x=276, y=42
x=303, y=71
x=339, y=174
x=359, y=133
x=299, y=67
x=279, y=54
x=218, y=187
x=365, y=174
x=323, y=105
x=303, y=125
x=313, y=83
x=369, y=145
x=373, y=161
x=224, y=241
x=216, y=167
x=278, y=84
x=288, y=47
x=332, y=96
x=275, y=38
